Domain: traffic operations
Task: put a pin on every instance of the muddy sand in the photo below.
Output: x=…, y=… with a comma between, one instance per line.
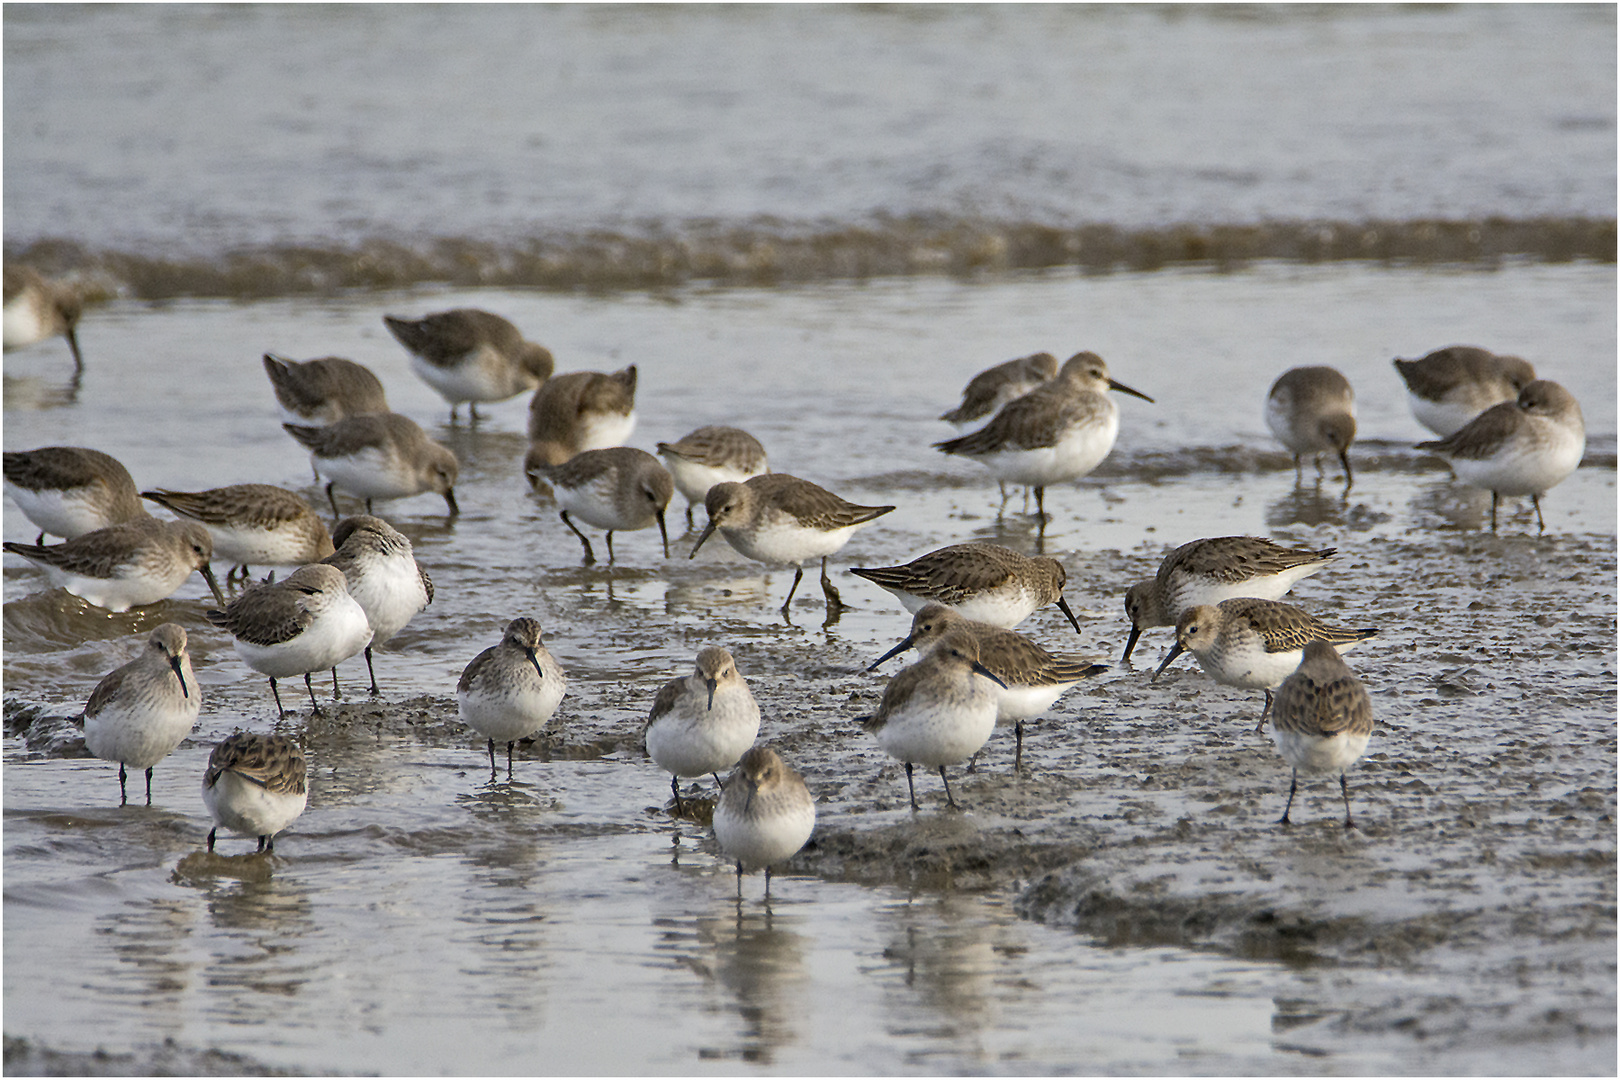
x=1483, y=860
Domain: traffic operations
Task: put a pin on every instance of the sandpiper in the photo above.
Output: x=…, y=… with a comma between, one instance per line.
x=37, y=309
x=471, y=355
x=984, y=582
x=617, y=489
x=129, y=564
x=1520, y=447
x=255, y=785
x=252, y=525
x=379, y=456
x=710, y=456
x=510, y=690
x=1215, y=569
x=702, y=722
x=1449, y=387
x=1323, y=720
x=323, y=391
x=381, y=572
x=939, y=711
x=1312, y=410
x=68, y=491
x=1059, y=431
x=781, y=520
x=1254, y=644
x=992, y=388
x=583, y=410
x=765, y=813
x=1032, y=679
x=303, y=624
x=140, y=712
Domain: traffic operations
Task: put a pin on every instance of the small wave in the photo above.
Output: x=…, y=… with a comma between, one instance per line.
x=771, y=252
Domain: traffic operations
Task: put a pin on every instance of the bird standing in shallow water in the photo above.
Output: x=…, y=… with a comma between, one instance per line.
x=985, y=582
x=765, y=813
x=255, y=785
x=68, y=491
x=307, y=623
x=510, y=690
x=382, y=574
x=939, y=711
x=1449, y=387
x=140, y=712
x=1215, y=569
x=323, y=391
x=1059, y=431
x=702, y=722
x=781, y=520
x=1312, y=410
x=1323, y=720
x=1520, y=447
x=619, y=488
x=471, y=355
x=1254, y=644
x=37, y=309
x=379, y=456
x=1032, y=679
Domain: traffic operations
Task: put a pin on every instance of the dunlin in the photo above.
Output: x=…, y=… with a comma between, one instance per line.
x=256, y=785
x=583, y=410
x=992, y=388
x=702, y=722
x=252, y=524
x=1032, y=679
x=939, y=711
x=379, y=456
x=129, y=564
x=140, y=712
x=37, y=309
x=1323, y=720
x=471, y=355
x=1254, y=644
x=68, y=491
x=303, y=624
x=381, y=572
x=510, y=690
x=1059, y=431
x=1520, y=447
x=984, y=582
x=781, y=520
x=1215, y=569
x=323, y=391
x=765, y=813
x=1449, y=387
x=1312, y=410
x=617, y=489
x=710, y=456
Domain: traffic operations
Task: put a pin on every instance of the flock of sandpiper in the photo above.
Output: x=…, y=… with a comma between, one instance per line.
x=1031, y=421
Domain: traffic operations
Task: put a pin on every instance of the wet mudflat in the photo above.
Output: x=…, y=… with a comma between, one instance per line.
x=1127, y=905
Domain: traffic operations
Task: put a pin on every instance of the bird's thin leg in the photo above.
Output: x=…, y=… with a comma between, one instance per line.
x=369, y=670
x=798, y=575
x=834, y=601
x=1292, y=785
x=590, y=556
x=911, y=787
x=950, y=800
x=1344, y=789
x=314, y=706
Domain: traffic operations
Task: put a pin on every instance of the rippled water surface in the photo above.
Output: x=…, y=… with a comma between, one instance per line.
x=419, y=917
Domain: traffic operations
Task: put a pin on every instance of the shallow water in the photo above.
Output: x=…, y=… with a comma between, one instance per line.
x=419, y=918
x=260, y=150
